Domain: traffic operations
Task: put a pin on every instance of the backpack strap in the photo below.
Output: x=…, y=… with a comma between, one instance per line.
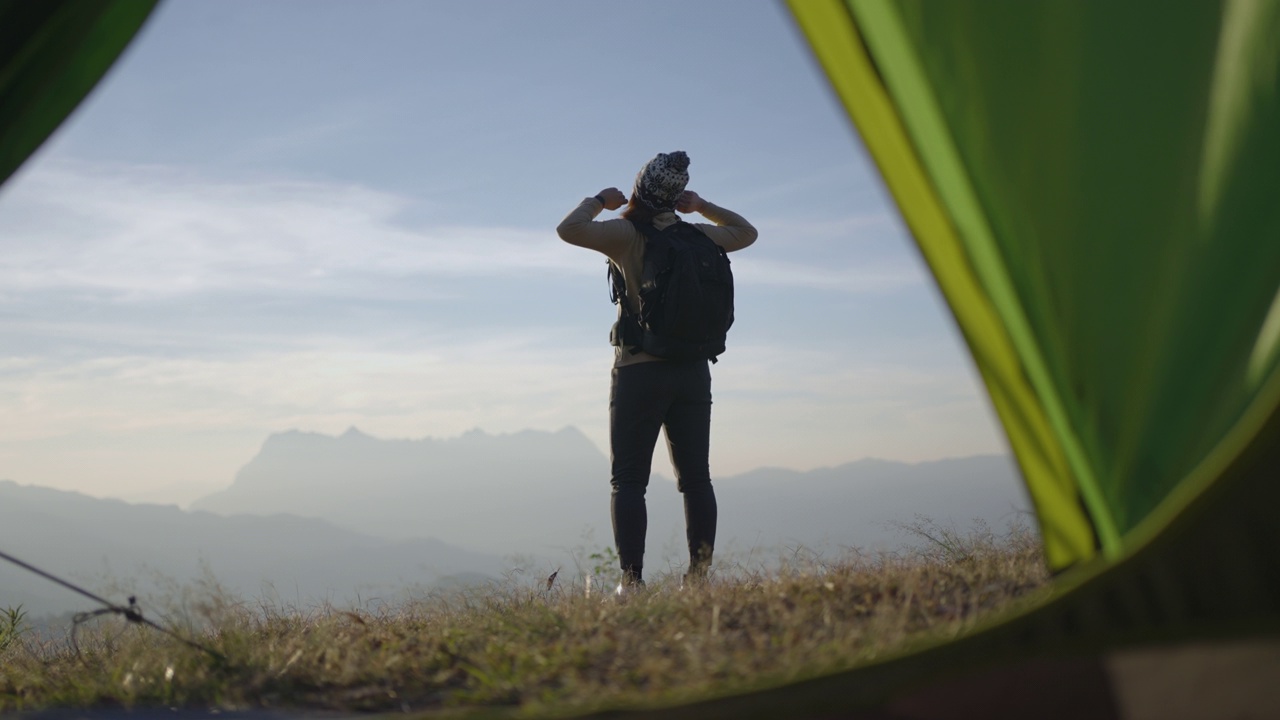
x=626, y=331
x=617, y=285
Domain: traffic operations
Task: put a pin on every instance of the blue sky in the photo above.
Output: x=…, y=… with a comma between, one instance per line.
x=276, y=215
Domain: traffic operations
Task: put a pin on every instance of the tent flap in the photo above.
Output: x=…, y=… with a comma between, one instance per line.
x=1092, y=186
x=52, y=53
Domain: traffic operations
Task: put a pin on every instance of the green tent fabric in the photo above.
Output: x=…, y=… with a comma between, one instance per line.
x=52, y=53
x=1092, y=184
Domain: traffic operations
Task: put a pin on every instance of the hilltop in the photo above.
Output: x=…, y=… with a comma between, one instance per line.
x=524, y=645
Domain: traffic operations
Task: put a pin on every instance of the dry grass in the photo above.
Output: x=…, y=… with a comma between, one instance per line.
x=520, y=644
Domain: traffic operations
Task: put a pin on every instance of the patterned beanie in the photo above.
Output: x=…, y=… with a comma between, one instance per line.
x=662, y=179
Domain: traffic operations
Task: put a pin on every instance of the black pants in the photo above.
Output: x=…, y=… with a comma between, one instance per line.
x=675, y=395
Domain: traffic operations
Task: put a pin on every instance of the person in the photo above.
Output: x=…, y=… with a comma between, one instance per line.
x=649, y=392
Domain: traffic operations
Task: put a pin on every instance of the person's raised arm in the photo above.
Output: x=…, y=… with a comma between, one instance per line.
x=731, y=231
x=578, y=227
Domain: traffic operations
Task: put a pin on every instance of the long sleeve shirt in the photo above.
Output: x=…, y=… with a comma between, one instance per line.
x=623, y=244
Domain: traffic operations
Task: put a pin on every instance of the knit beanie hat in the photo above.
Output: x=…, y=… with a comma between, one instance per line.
x=662, y=179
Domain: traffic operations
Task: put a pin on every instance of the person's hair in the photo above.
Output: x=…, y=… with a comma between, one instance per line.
x=639, y=212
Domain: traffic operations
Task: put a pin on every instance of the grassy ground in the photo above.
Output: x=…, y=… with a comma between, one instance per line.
x=525, y=645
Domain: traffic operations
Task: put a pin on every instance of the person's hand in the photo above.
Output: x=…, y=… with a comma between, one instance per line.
x=689, y=202
x=611, y=198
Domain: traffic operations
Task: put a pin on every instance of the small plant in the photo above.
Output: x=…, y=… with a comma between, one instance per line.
x=944, y=543
x=606, y=561
x=605, y=569
x=11, y=621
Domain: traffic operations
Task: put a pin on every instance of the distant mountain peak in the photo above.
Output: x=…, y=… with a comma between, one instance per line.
x=295, y=436
x=326, y=476
x=353, y=433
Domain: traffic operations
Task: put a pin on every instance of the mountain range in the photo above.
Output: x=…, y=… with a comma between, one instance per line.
x=109, y=546
x=315, y=517
x=545, y=492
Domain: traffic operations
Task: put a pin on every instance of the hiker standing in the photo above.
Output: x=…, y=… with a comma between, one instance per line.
x=663, y=342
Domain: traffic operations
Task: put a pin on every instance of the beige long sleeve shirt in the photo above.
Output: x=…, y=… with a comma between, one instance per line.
x=623, y=244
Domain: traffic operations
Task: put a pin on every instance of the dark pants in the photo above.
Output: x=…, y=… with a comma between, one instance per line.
x=675, y=395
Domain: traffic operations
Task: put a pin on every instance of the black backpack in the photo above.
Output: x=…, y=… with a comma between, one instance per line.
x=686, y=296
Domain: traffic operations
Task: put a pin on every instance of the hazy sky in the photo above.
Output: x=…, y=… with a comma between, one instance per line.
x=313, y=215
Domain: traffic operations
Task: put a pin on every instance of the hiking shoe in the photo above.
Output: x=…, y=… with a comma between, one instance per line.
x=627, y=588
x=698, y=576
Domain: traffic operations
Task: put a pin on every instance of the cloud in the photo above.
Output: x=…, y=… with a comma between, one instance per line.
x=146, y=308
x=782, y=273
x=805, y=408
x=773, y=406
x=150, y=233
x=123, y=423
x=153, y=233
x=857, y=227
x=456, y=387
x=858, y=253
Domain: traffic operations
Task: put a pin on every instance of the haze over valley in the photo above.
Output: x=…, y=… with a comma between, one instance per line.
x=315, y=518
